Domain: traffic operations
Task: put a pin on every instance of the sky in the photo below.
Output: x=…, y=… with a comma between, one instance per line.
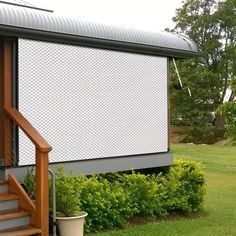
x=147, y=15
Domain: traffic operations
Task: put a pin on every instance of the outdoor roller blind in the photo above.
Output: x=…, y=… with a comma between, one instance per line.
x=92, y=103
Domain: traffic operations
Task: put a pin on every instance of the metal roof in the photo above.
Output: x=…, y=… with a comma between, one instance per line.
x=17, y=2
x=21, y=3
x=20, y=21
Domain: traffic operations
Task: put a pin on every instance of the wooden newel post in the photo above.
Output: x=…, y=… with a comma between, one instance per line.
x=6, y=60
x=42, y=193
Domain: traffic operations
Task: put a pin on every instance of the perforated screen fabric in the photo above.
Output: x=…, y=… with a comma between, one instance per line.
x=92, y=103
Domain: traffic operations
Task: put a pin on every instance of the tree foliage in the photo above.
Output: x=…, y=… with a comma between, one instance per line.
x=194, y=110
x=228, y=109
x=212, y=25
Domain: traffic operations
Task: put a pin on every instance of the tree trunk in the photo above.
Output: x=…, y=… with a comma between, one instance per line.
x=220, y=122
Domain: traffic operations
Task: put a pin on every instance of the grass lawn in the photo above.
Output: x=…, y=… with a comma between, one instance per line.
x=220, y=172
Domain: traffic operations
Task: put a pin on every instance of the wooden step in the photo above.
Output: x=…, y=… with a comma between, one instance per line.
x=8, y=197
x=2, y=181
x=20, y=231
x=7, y=205
x=12, y=214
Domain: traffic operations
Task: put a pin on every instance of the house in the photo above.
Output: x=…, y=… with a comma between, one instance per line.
x=98, y=94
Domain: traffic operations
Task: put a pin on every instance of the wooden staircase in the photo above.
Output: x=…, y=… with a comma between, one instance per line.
x=15, y=220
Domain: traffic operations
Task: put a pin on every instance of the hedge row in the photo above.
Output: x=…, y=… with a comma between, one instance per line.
x=112, y=199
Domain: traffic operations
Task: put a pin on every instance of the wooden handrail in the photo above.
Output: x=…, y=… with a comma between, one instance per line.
x=28, y=129
x=41, y=213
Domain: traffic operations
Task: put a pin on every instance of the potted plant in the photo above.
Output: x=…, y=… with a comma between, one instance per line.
x=70, y=219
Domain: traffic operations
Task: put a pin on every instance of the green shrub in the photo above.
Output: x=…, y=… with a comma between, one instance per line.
x=107, y=204
x=143, y=193
x=29, y=183
x=183, y=188
x=203, y=134
x=228, y=109
x=193, y=182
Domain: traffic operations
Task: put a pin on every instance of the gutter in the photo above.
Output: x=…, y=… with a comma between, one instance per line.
x=27, y=33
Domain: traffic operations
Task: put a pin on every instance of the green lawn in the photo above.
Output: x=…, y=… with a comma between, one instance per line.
x=220, y=172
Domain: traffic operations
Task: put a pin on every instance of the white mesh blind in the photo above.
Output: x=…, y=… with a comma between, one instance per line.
x=92, y=103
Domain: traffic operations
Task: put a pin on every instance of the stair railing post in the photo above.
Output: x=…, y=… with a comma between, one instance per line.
x=53, y=192
x=42, y=192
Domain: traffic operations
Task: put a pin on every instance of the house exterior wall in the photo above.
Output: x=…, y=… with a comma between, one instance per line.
x=105, y=165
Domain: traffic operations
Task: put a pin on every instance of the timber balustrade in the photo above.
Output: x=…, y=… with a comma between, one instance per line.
x=42, y=148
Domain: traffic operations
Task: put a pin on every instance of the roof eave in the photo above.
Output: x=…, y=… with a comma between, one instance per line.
x=35, y=34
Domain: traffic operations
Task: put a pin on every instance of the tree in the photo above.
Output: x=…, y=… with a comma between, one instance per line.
x=229, y=111
x=194, y=107
x=212, y=25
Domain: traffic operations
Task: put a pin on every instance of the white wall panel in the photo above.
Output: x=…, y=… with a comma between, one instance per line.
x=92, y=103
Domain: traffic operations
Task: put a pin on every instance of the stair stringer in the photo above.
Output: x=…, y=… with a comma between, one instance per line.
x=25, y=202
